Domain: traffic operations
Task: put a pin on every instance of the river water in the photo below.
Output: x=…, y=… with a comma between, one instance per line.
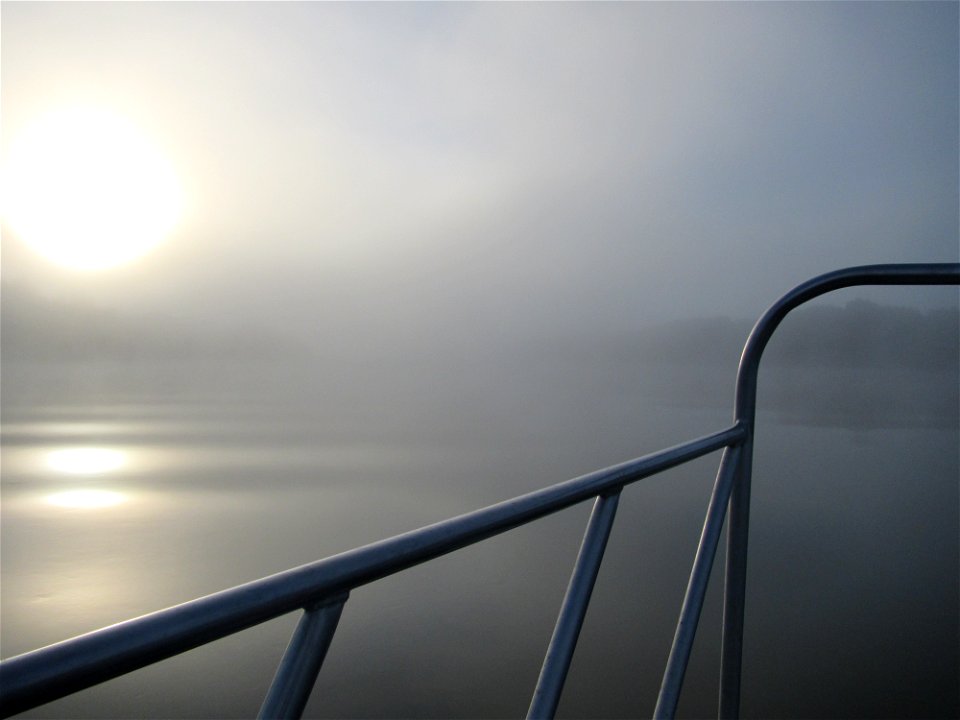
x=118, y=505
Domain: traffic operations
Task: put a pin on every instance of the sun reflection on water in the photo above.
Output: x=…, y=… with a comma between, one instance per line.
x=88, y=462
x=86, y=499
x=85, y=460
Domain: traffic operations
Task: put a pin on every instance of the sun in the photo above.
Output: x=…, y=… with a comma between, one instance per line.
x=87, y=190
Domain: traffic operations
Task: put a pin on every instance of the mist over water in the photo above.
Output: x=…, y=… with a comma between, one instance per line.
x=229, y=476
x=433, y=256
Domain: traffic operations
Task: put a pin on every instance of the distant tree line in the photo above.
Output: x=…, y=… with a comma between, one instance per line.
x=859, y=334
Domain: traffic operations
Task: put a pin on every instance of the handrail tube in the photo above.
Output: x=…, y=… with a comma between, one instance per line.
x=43, y=675
x=910, y=274
x=745, y=404
x=556, y=662
x=696, y=591
x=301, y=662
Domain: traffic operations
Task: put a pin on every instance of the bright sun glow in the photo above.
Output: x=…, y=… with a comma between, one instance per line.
x=86, y=499
x=85, y=189
x=85, y=460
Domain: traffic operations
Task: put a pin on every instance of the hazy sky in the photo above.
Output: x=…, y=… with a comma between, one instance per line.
x=506, y=167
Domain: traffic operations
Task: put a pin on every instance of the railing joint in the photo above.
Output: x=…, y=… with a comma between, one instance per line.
x=327, y=601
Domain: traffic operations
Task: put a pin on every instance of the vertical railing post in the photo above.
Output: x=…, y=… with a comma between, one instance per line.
x=297, y=672
x=738, y=520
x=556, y=664
x=697, y=586
x=735, y=585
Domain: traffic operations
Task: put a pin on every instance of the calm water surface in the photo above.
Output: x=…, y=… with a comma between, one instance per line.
x=118, y=509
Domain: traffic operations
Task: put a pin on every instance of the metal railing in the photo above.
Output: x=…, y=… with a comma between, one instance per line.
x=320, y=589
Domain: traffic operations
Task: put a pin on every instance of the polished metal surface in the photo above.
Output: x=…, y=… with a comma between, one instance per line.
x=697, y=586
x=546, y=696
x=298, y=669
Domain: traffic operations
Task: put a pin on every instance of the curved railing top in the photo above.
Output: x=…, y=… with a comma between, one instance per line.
x=895, y=274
